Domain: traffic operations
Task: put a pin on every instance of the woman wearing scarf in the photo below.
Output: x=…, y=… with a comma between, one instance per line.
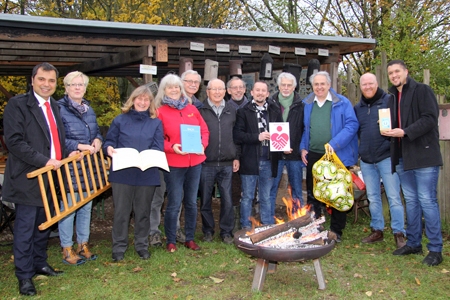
x=82, y=133
x=139, y=128
x=174, y=109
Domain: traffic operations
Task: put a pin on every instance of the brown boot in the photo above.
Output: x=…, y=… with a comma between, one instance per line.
x=375, y=236
x=71, y=258
x=83, y=251
x=399, y=239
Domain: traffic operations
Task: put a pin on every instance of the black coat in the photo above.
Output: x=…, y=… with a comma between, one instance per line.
x=221, y=150
x=246, y=134
x=27, y=137
x=419, y=113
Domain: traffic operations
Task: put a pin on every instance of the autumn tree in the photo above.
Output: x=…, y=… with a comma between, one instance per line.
x=414, y=30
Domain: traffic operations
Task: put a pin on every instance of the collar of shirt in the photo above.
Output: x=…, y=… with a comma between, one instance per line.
x=217, y=109
x=40, y=100
x=320, y=104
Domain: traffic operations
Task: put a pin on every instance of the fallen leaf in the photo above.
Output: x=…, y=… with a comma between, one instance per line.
x=41, y=277
x=369, y=293
x=137, y=269
x=216, y=280
x=444, y=271
x=417, y=281
x=356, y=246
x=357, y=275
x=173, y=274
x=176, y=279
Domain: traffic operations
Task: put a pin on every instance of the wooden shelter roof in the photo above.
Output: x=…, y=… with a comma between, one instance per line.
x=100, y=48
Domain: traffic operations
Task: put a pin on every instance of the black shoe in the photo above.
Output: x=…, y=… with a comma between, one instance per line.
x=117, y=256
x=26, y=287
x=433, y=259
x=405, y=250
x=48, y=271
x=143, y=254
x=227, y=239
x=208, y=237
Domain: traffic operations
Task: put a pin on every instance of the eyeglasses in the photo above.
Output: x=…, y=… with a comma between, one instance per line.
x=216, y=89
x=237, y=87
x=286, y=85
x=196, y=82
x=76, y=84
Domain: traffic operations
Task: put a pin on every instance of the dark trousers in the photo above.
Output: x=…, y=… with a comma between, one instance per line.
x=127, y=199
x=222, y=175
x=30, y=243
x=236, y=190
x=338, y=218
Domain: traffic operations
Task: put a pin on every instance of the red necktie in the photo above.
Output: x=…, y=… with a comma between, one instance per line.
x=53, y=130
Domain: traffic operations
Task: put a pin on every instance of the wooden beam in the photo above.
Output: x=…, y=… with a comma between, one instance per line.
x=109, y=61
x=5, y=92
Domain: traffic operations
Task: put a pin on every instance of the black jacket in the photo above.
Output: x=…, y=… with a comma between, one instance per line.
x=246, y=134
x=373, y=147
x=221, y=150
x=419, y=113
x=295, y=119
x=27, y=137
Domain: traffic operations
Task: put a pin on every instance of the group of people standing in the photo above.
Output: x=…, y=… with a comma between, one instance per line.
x=40, y=131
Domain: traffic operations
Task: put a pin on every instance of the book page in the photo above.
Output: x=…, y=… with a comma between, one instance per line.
x=130, y=157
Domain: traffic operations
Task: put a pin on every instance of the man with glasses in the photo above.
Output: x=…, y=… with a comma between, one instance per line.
x=221, y=161
x=291, y=108
x=191, y=82
x=257, y=164
x=236, y=89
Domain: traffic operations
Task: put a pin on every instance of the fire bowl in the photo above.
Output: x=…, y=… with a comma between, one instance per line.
x=281, y=255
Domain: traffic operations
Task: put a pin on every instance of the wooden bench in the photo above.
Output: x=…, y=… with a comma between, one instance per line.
x=98, y=184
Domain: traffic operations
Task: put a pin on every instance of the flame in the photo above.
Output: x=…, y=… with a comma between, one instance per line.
x=294, y=209
x=255, y=223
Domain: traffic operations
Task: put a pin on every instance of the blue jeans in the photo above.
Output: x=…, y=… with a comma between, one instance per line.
x=179, y=181
x=295, y=175
x=264, y=180
x=222, y=175
x=373, y=173
x=420, y=191
x=83, y=225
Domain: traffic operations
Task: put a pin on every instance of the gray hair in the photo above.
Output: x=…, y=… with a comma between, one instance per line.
x=189, y=72
x=287, y=76
x=169, y=80
x=323, y=73
x=233, y=79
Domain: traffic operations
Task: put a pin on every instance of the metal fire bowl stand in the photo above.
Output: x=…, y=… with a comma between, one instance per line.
x=269, y=257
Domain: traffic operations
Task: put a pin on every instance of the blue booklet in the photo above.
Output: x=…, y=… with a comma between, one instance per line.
x=191, y=141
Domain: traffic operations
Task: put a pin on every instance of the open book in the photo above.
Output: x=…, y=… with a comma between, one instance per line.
x=130, y=157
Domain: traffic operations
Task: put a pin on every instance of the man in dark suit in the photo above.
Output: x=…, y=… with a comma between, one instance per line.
x=29, y=125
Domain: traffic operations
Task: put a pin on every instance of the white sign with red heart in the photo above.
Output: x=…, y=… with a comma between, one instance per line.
x=279, y=136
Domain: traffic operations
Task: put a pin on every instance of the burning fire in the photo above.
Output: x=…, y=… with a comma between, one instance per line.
x=294, y=210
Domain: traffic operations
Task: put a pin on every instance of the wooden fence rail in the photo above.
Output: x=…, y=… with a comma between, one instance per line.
x=93, y=188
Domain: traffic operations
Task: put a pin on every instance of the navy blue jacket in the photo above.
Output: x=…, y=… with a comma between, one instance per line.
x=373, y=147
x=135, y=130
x=80, y=129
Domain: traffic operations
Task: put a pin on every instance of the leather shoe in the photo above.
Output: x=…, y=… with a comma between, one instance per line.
x=405, y=250
x=433, y=259
x=399, y=239
x=143, y=254
x=26, y=287
x=192, y=245
x=375, y=236
x=48, y=271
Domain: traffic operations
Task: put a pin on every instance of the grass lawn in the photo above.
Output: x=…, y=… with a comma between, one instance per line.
x=352, y=271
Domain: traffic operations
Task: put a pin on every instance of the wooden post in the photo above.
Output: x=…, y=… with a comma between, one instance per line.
x=383, y=83
x=148, y=61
